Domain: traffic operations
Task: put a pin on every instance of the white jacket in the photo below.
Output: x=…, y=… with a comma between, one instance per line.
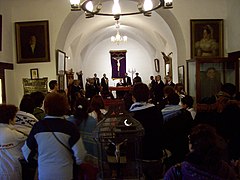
x=11, y=142
x=25, y=122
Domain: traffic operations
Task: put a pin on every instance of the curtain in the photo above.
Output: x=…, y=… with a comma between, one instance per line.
x=118, y=62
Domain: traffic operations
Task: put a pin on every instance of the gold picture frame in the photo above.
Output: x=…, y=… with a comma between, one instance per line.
x=32, y=41
x=34, y=73
x=207, y=38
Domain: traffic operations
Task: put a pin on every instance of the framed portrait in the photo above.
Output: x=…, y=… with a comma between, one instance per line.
x=156, y=63
x=32, y=41
x=181, y=78
x=207, y=38
x=61, y=58
x=34, y=73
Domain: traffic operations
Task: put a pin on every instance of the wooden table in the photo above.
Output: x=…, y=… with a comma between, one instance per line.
x=120, y=88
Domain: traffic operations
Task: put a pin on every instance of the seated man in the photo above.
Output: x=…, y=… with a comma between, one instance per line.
x=120, y=94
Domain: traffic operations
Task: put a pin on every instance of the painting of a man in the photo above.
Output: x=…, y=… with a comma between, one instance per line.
x=32, y=41
x=33, y=48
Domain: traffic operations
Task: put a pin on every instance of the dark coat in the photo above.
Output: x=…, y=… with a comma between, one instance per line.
x=127, y=81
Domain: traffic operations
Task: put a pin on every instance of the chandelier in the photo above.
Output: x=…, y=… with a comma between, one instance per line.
x=100, y=7
x=118, y=38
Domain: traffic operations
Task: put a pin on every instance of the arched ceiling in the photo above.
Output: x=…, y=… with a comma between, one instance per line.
x=145, y=30
x=157, y=33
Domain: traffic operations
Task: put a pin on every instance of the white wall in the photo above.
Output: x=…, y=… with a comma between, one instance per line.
x=136, y=57
x=232, y=26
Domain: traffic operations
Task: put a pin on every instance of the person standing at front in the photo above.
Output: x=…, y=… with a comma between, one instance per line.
x=152, y=121
x=11, y=142
x=52, y=139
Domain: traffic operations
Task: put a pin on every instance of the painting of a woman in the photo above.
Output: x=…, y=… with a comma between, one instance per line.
x=206, y=37
x=207, y=46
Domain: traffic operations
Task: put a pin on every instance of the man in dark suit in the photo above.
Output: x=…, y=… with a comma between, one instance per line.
x=96, y=83
x=137, y=79
x=33, y=49
x=105, y=88
x=127, y=80
x=168, y=81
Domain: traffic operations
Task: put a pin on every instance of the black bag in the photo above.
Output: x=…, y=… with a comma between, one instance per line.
x=29, y=169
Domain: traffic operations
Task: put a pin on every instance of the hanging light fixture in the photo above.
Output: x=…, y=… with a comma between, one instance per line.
x=118, y=38
x=100, y=7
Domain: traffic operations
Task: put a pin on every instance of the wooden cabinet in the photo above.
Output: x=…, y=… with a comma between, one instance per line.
x=204, y=75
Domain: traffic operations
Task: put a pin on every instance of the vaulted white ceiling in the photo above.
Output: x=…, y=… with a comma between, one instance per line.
x=79, y=36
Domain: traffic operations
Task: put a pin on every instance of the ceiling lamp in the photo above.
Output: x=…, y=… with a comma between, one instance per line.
x=102, y=7
x=118, y=38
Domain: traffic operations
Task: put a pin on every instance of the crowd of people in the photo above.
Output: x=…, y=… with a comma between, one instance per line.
x=49, y=136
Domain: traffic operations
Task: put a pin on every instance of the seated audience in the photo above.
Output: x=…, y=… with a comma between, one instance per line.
x=86, y=124
x=187, y=103
x=152, y=121
x=97, y=108
x=211, y=110
x=171, y=102
x=38, y=98
x=53, y=85
x=55, y=140
x=11, y=142
x=127, y=99
x=24, y=117
x=177, y=125
x=179, y=89
x=206, y=159
x=228, y=126
x=75, y=92
x=120, y=94
x=24, y=123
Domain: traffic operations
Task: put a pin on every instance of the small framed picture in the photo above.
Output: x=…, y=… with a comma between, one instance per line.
x=34, y=73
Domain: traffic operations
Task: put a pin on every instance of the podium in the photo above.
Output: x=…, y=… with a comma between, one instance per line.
x=120, y=90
